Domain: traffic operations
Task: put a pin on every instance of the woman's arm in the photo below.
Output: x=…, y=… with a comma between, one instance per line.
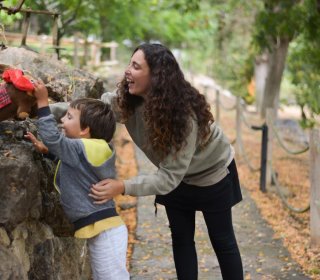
x=170, y=173
x=59, y=109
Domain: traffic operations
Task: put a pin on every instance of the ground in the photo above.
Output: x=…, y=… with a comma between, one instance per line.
x=293, y=173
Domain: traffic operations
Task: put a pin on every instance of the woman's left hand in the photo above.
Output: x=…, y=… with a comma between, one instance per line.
x=106, y=189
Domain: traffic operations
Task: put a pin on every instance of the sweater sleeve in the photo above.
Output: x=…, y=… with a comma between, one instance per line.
x=66, y=149
x=111, y=98
x=170, y=173
x=59, y=109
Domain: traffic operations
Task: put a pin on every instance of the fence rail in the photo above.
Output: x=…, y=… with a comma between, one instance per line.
x=89, y=50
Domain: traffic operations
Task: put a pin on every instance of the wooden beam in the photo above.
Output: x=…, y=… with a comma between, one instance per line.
x=25, y=28
x=315, y=189
x=30, y=11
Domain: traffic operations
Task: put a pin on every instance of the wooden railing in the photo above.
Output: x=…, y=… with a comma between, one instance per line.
x=77, y=46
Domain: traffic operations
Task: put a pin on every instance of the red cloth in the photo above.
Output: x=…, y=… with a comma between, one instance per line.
x=19, y=81
x=4, y=96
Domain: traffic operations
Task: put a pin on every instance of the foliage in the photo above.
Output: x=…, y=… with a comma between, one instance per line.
x=233, y=56
x=278, y=19
x=304, y=63
x=219, y=38
x=5, y=19
x=299, y=22
x=75, y=16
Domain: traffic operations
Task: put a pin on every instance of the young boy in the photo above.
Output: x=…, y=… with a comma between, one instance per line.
x=86, y=158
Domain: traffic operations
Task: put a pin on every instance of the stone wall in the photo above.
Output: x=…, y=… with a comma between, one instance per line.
x=35, y=238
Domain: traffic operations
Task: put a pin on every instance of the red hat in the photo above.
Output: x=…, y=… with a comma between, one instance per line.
x=19, y=81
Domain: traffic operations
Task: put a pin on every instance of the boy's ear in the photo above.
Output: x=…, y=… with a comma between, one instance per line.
x=85, y=131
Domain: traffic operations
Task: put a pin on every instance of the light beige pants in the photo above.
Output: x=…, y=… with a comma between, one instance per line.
x=108, y=252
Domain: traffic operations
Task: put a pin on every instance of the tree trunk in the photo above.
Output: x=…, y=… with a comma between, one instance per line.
x=277, y=59
x=260, y=76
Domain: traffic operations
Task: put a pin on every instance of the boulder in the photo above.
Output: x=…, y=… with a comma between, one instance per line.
x=36, y=239
x=64, y=83
x=10, y=267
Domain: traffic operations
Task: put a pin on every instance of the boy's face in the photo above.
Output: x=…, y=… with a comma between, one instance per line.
x=71, y=124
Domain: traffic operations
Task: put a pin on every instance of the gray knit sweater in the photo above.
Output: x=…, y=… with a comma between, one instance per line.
x=83, y=162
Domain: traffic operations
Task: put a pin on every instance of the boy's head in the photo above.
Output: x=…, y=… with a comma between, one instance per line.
x=89, y=118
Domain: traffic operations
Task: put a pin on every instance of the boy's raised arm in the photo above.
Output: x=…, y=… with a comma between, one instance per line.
x=41, y=94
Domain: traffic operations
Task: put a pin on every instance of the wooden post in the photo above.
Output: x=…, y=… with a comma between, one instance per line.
x=76, y=62
x=25, y=28
x=270, y=124
x=43, y=39
x=85, y=52
x=95, y=53
x=315, y=187
x=97, y=59
x=55, y=35
x=113, y=48
x=238, y=125
x=217, y=106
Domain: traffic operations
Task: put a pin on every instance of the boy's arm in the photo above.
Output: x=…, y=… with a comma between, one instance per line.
x=41, y=94
x=37, y=144
x=67, y=150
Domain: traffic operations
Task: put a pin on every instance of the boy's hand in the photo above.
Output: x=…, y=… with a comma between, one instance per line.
x=38, y=145
x=41, y=94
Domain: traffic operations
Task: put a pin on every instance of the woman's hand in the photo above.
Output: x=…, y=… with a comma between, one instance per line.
x=106, y=189
x=38, y=145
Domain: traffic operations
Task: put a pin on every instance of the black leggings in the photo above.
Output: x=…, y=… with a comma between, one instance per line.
x=220, y=229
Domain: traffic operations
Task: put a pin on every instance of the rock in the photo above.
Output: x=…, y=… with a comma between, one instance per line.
x=4, y=238
x=36, y=239
x=20, y=183
x=290, y=131
x=63, y=82
x=60, y=258
x=10, y=267
x=18, y=246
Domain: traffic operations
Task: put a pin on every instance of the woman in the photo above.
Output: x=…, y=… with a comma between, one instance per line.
x=171, y=122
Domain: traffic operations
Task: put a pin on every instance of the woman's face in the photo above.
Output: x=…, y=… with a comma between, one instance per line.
x=138, y=75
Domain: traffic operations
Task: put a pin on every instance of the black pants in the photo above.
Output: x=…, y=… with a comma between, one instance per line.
x=220, y=229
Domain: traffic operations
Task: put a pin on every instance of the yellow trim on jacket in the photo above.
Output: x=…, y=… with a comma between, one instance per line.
x=97, y=150
x=99, y=226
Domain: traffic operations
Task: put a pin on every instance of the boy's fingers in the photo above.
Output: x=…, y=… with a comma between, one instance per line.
x=31, y=136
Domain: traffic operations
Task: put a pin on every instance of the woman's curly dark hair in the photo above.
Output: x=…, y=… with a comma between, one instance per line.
x=169, y=105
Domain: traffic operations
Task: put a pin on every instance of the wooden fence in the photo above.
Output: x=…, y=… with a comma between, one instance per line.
x=267, y=174
x=83, y=50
